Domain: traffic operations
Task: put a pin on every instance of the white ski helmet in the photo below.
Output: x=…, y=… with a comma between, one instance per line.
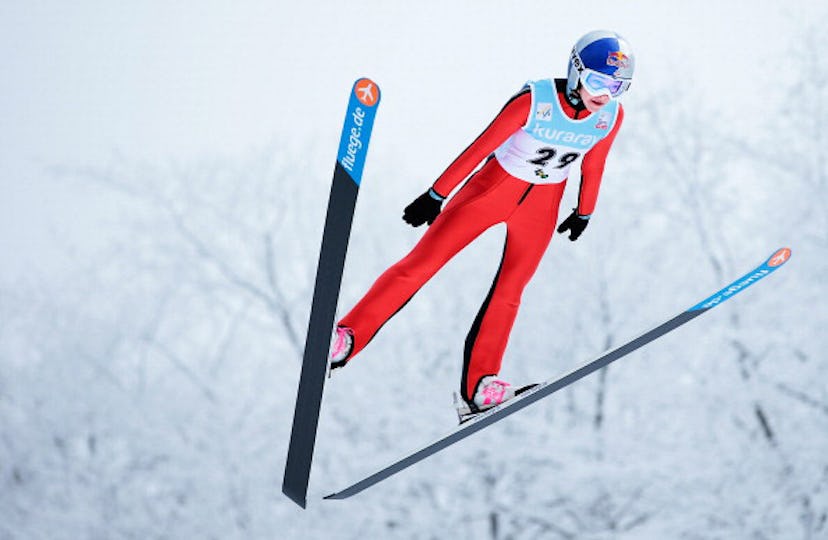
x=603, y=62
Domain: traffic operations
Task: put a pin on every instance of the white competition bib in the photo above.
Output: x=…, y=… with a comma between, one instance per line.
x=545, y=148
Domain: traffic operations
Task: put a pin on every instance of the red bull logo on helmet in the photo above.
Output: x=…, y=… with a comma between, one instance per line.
x=618, y=59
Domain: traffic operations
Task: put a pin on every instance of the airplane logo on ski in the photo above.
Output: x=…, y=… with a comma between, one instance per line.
x=366, y=92
x=779, y=258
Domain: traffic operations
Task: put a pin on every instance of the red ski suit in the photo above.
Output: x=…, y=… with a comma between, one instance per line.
x=491, y=196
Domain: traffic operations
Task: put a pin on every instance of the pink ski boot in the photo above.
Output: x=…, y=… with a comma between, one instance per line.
x=343, y=344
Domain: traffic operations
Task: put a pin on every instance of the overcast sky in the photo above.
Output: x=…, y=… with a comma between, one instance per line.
x=160, y=81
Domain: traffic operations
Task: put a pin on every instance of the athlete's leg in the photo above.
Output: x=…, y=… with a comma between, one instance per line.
x=474, y=209
x=529, y=230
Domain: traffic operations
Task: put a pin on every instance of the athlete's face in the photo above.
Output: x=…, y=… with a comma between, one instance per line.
x=592, y=103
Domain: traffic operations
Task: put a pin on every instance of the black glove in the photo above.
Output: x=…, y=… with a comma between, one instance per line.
x=575, y=224
x=425, y=208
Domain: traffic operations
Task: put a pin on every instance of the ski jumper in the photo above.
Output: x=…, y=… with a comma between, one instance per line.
x=530, y=145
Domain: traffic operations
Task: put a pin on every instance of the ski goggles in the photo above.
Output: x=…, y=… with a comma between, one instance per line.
x=600, y=84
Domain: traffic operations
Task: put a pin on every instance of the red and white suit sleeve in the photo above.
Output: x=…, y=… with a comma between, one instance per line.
x=592, y=169
x=511, y=118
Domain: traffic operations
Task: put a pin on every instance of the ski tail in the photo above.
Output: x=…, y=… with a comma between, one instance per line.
x=548, y=388
x=347, y=176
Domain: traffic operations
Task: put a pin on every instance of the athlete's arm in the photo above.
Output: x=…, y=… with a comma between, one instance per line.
x=511, y=118
x=592, y=169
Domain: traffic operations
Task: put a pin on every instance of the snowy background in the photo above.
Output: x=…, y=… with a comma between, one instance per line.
x=164, y=168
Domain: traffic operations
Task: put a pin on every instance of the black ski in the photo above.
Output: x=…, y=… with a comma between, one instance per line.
x=353, y=146
x=553, y=385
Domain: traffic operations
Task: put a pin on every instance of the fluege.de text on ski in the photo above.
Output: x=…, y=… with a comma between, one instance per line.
x=733, y=289
x=354, y=142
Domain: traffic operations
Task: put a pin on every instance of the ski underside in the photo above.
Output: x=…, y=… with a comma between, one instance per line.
x=353, y=147
x=551, y=386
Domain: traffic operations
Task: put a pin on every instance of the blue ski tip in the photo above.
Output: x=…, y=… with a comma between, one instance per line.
x=356, y=132
x=779, y=257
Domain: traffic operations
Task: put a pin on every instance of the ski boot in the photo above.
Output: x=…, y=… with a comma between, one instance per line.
x=490, y=393
x=343, y=345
